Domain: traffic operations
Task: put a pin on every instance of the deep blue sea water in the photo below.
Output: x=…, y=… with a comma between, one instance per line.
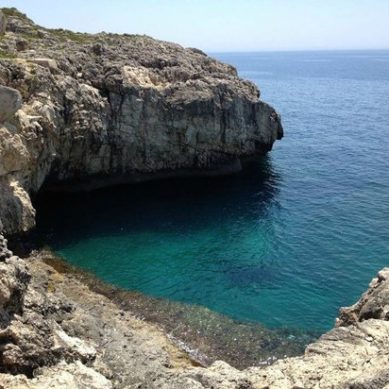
x=287, y=242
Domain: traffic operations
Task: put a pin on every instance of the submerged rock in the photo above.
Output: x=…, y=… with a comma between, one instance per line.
x=106, y=108
x=56, y=332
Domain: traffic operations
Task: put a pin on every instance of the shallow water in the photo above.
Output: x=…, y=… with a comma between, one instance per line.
x=287, y=242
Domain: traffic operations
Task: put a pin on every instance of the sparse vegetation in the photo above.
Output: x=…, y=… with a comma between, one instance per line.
x=65, y=35
x=13, y=12
x=7, y=55
x=30, y=36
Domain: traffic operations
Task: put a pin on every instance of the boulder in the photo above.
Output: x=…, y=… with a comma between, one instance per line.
x=46, y=63
x=10, y=102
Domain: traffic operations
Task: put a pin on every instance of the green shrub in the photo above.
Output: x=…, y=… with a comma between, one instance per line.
x=65, y=35
x=7, y=55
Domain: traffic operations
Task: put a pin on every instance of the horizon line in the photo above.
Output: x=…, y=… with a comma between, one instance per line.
x=287, y=50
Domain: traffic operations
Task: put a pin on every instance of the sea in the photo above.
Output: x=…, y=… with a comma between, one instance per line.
x=284, y=244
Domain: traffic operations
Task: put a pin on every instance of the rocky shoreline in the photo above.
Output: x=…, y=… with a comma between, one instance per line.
x=57, y=332
x=79, y=111
x=206, y=336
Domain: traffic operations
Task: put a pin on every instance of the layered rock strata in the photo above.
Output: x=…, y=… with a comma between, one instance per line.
x=93, y=110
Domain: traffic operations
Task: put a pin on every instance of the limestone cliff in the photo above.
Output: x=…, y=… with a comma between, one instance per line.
x=95, y=110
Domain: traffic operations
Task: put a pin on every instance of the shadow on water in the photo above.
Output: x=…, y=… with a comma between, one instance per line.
x=190, y=203
x=205, y=214
x=184, y=238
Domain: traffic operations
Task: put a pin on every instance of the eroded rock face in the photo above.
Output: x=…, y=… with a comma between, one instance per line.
x=3, y=23
x=10, y=102
x=29, y=337
x=374, y=304
x=70, y=376
x=106, y=108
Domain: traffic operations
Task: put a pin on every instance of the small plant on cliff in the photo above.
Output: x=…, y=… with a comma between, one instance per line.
x=13, y=12
x=65, y=35
x=6, y=55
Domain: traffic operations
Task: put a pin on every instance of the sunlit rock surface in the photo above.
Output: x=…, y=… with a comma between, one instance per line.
x=107, y=108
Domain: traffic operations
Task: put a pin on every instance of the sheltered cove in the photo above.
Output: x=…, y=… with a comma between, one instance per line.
x=89, y=110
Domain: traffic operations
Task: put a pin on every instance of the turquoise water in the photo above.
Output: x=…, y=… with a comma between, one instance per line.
x=287, y=242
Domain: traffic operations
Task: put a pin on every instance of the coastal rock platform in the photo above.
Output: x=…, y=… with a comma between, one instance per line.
x=57, y=332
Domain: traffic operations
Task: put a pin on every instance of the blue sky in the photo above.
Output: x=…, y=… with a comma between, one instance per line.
x=226, y=25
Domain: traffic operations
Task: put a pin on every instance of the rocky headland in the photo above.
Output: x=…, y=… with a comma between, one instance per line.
x=80, y=111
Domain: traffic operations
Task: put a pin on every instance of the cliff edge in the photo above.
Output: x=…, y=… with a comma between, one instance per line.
x=94, y=110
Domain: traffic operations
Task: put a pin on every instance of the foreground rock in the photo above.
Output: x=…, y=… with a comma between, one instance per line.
x=56, y=332
x=107, y=108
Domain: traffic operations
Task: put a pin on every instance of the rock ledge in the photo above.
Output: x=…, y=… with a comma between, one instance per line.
x=95, y=110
